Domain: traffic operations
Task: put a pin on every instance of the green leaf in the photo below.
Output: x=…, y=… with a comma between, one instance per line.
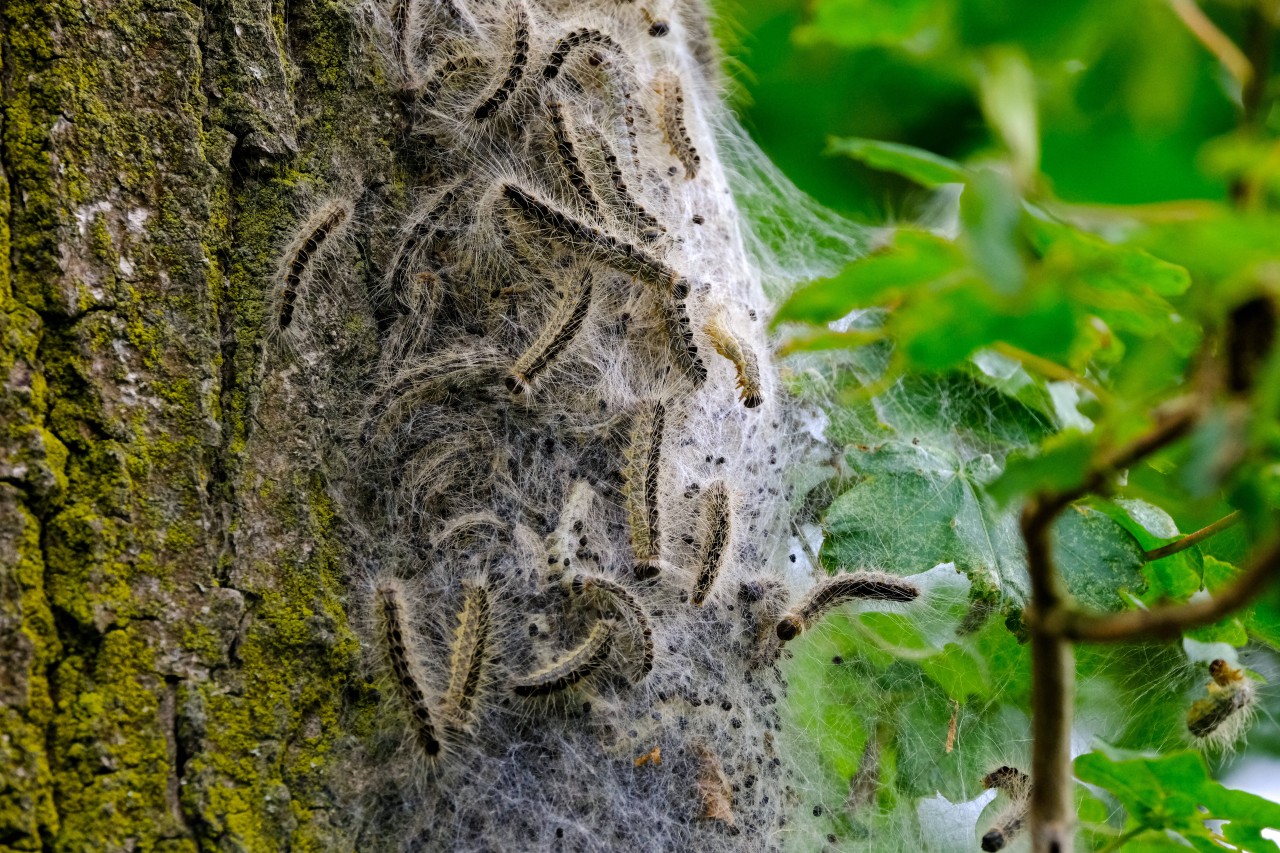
x=1097, y=558
x=991, y=211
x=923, y=167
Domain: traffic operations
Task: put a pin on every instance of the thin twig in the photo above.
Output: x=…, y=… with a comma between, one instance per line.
x=1167, y=622
x=1192, y=538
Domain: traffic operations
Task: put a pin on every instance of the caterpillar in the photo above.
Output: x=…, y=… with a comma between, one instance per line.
x=326, y=221
x=680, y=340
x=562, y=134
x=431, y=90
x=515, y=71
x=421, y=232
x=673, y=126
x=650, y=229
x=615, y=594
x=716, y=519
x=470, y=646
x=640, y=477
x=838, y=589
x=764, y=599
x=1017, y=785
x=557, y=335
x=1221, y=716
x=743, y=359
x=607, y=248
x=577, y=664
x=406, y=669
x=573, y=39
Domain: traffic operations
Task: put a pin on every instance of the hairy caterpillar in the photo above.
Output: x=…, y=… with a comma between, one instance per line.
x=716, y=519
x=470, y=646
x=650, y=229
x=454, y=65
x=406, y=669
x=764, y=599
x=1017, y=785
x=557, y=335
x=680, y=341
x=575, y=665
x=743, y=359
x=563, y=136
x=574, y=39
x=322, y=225
x=604, y=247
x=640, y=478
x=609, y=593
x=673, y=126
x=838, y=589
x=1220, y=717
x=515, y=71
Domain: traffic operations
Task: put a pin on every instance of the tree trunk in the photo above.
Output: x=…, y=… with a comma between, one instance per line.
x=368, y=479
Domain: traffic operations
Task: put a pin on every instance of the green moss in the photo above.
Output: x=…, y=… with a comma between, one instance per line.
x=111, y=757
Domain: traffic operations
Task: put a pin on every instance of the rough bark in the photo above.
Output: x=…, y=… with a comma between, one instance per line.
x=192, y=522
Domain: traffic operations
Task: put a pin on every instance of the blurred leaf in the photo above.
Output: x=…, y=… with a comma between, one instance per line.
x=856, y=23
x=923, y=167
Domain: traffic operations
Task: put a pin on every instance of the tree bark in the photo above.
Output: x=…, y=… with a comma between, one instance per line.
x=217, y=453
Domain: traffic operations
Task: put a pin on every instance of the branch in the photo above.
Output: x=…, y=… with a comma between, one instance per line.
x=1192, y=538
x=1208, y=34
x=1167, y=622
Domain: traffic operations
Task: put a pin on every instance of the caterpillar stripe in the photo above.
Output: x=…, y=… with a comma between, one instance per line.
x=607, y=248
x=326, y=221
x=609, y=592
x=515, y=71
x=576, y=665
x=716, y=519
x=673, y=126
x=743, y=359
x=470, y=645
x=406, y=669
x=557, y=335
x=640, y=476
x=838, y=589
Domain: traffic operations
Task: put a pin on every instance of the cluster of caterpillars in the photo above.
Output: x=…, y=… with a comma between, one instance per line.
x=542, y=336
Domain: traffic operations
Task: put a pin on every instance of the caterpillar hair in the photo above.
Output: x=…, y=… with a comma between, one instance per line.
x=609, y=595
x=515, y=71
x=448, y=68
x=575, y=665
x=838, y=589
x=555, y=338
x=716, y=520
x=406, y=667
x=323, y=224
x=420, y=233
x=743, y=359
x=673, y=126
x=640, y=487
x=470, y=647
x=605, y=247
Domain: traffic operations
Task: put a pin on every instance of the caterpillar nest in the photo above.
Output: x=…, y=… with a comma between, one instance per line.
x=565, y=464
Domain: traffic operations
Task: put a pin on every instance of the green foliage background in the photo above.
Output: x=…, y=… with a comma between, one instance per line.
x=1084, y=208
